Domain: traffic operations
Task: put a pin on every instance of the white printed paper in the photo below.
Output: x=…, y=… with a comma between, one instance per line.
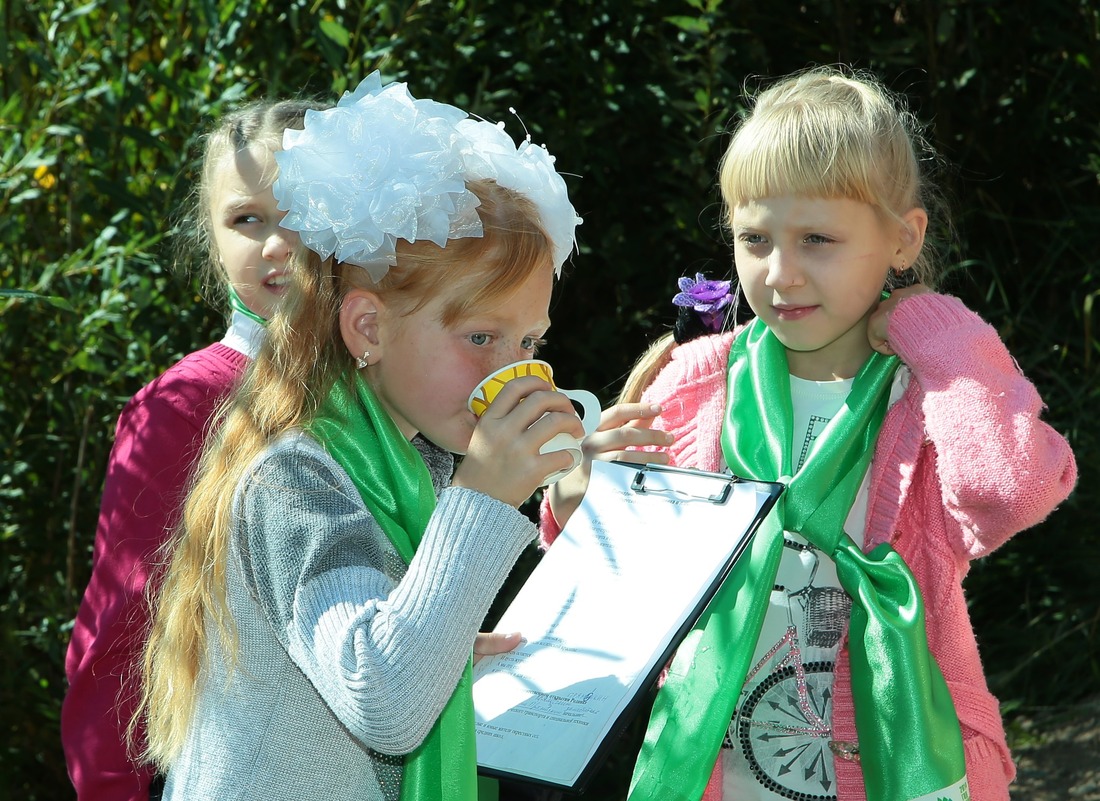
x=602, y=609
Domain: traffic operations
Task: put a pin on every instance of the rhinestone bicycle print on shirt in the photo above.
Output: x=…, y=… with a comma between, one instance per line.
x=782, y=723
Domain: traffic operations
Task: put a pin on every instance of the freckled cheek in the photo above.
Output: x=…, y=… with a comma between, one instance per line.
x=467, y=374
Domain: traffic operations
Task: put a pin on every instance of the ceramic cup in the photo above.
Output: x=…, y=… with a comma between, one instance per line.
x=490, y=387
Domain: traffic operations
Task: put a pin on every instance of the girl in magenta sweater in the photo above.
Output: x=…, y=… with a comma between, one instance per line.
x=838, y=660
x=158, y=438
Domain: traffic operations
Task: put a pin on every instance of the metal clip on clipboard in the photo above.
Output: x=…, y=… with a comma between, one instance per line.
x=639, y=483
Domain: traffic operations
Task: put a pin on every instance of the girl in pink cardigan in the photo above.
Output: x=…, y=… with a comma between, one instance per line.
x=838, y=660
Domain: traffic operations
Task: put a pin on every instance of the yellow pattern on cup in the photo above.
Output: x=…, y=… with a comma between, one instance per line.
x=488, y=390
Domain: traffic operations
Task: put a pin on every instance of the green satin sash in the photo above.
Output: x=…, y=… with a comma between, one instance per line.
x=236, y=304
x=909, y=737
x=396, y=487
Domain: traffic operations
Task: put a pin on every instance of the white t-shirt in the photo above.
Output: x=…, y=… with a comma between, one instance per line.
x=777, y=746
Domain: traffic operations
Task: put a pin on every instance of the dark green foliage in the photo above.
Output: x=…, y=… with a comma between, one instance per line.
x=101, y=106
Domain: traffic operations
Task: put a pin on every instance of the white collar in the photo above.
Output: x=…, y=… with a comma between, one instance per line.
x=245, y=335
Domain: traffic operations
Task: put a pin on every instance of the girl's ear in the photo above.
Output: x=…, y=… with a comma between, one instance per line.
x=359, y=318
x=914, y=225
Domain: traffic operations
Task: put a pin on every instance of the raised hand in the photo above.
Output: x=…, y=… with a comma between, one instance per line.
x=503, y=458
x=622, y=427
x=878, y=325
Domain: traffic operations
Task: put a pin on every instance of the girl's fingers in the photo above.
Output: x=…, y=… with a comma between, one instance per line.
x=491, y=643
x=525, y=400
x=637, y=415
x=636, y=457
x=619, y=439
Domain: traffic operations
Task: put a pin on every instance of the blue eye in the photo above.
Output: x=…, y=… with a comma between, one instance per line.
x=479, y=339
x=532, y=343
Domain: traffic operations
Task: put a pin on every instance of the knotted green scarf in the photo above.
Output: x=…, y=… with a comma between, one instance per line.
x=909, y=738
x=396, y=487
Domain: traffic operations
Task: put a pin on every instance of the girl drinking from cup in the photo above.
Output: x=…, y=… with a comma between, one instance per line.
x=837, y=661
x=313, y=635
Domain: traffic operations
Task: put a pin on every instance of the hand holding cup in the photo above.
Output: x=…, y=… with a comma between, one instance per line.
x=486, y=392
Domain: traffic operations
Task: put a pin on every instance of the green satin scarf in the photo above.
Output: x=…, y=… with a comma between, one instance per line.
x=396, y=487
x=910, y=743
x=236, y=304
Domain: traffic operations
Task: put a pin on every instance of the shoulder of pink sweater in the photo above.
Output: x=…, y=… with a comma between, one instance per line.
x=942, y=341
x=691, y=391
x=195, y=382
x=693, y=366
x=216, y=364
x=176, y=406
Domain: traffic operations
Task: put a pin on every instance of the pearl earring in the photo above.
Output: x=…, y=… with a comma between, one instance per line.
x=361, y=361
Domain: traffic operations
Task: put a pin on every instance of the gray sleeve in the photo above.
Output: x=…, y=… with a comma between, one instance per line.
x=384, y=655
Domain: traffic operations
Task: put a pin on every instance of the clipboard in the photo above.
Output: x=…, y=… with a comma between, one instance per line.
x=603, y=613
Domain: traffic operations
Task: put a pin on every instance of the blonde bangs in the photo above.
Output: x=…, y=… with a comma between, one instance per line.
x=825, y=134
x=798, y=149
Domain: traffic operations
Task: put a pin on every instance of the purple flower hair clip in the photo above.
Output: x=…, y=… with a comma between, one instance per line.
x=706, y=297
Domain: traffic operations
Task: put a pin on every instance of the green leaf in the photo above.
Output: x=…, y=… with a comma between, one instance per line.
x=335, y=31
x=24, y=294
x=699, y=25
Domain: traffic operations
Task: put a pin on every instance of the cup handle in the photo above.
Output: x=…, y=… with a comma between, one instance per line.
x=590, y=418
x=562, y=442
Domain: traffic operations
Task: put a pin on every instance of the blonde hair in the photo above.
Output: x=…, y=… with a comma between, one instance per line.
x=259, y=123
x=649, y=364
x=303, y=356
x=831, y=133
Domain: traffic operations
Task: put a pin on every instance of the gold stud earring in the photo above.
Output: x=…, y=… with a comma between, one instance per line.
x=361, y=362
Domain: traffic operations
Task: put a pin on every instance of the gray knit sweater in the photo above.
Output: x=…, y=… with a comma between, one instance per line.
x=345, y=658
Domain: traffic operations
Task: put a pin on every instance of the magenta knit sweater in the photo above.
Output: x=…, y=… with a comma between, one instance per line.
x=159, y=436
x=962, y=463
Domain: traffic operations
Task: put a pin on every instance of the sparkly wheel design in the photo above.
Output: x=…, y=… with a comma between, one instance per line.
x=791, y=758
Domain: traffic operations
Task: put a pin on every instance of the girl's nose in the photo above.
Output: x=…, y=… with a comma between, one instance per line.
x=507, y=355
x=783, y=271
x=278, y=244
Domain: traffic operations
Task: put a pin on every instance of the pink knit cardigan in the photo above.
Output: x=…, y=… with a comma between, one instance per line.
x=962, y=463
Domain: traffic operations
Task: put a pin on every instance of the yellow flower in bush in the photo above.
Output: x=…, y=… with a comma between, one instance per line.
x=45, y=178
